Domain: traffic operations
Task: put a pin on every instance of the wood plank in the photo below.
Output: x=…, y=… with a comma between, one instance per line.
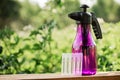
x=58, y=76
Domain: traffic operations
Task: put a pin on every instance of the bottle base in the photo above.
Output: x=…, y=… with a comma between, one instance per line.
x=89, y=73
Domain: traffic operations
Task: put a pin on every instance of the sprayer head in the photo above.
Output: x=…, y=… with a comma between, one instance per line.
x=85, y=17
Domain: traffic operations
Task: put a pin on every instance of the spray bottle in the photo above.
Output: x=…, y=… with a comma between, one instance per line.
x=83, y=42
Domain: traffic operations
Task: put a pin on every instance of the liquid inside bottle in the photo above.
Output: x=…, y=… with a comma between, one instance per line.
x=85, y=44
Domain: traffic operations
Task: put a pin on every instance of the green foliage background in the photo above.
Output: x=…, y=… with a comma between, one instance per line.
x=39, y=48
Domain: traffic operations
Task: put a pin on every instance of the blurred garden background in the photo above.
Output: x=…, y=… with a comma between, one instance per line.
x=33, y=37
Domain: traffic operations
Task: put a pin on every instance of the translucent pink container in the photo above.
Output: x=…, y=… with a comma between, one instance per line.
x=84, y=44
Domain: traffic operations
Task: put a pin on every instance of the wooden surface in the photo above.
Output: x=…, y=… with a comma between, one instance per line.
x=98, y=76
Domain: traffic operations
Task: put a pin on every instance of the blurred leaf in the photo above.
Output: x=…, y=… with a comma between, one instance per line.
x=35, y=32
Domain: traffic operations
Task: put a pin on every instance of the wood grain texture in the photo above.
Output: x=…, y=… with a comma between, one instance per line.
x=58, y=76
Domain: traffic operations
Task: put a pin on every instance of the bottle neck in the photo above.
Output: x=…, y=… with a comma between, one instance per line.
x=84, y=32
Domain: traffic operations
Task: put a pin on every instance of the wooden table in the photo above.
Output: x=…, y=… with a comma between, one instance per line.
x=58, y=76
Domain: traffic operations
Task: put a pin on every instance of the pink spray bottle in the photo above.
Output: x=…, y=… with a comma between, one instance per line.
x=84, y=42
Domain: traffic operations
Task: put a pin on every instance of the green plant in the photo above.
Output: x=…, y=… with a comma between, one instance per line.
x=9, y=54
x=31, y=54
